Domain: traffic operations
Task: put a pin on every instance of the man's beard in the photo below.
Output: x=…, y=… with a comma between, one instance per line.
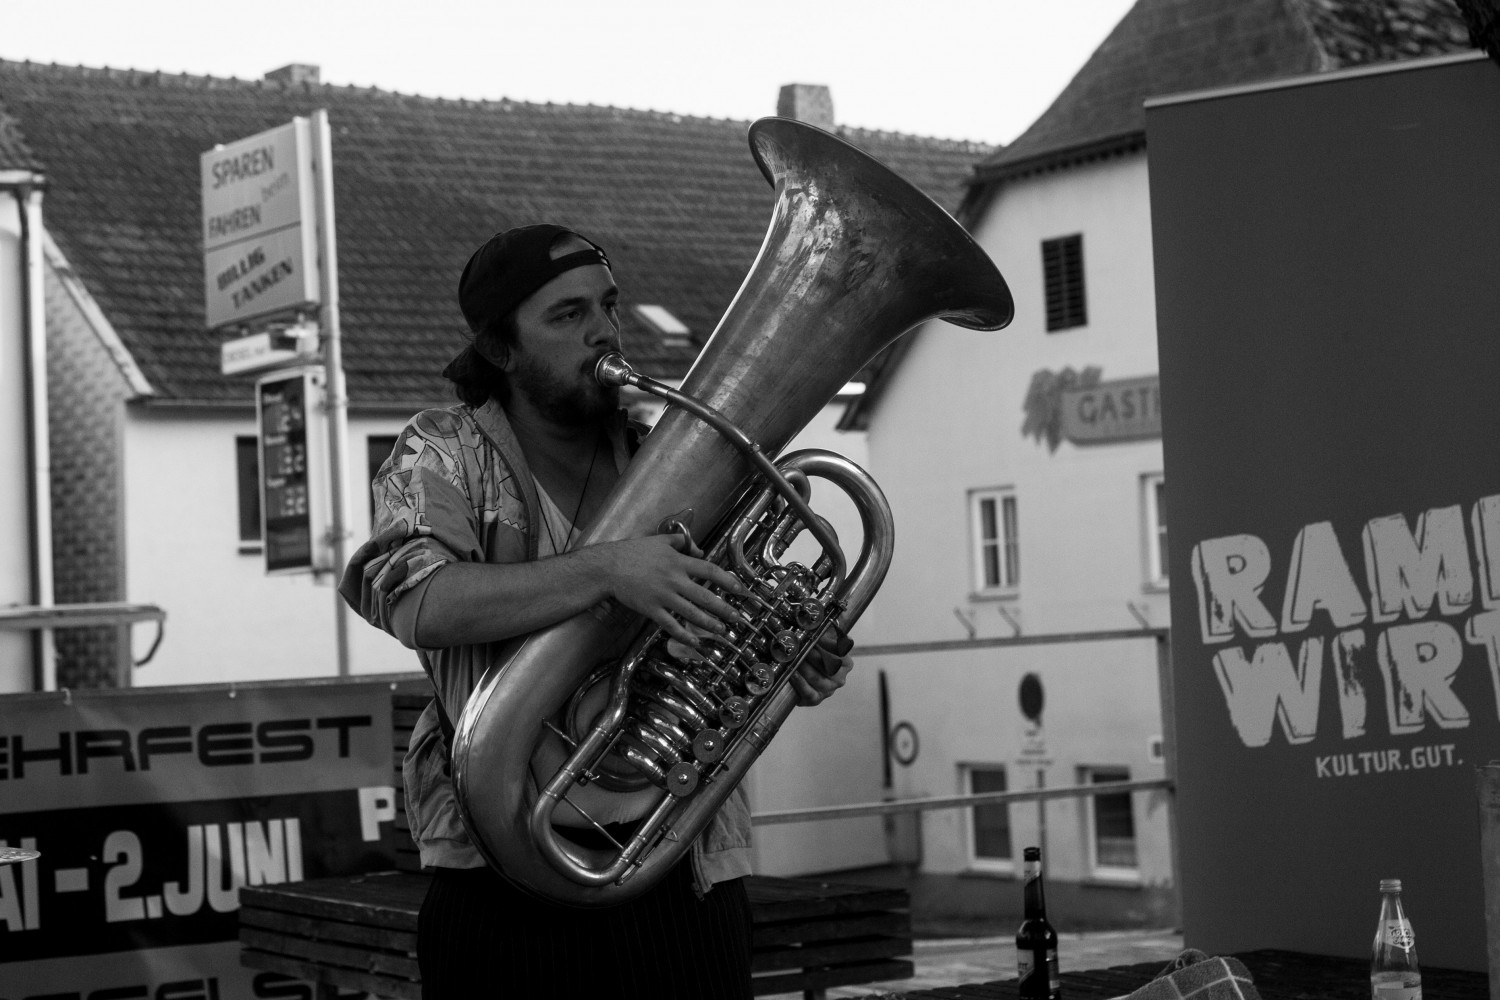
x=572, y=401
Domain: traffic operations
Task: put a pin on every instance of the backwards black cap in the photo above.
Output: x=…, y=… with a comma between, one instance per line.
x=508, y=269
x=511, y=266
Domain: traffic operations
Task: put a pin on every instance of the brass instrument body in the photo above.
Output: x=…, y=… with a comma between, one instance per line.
x=854, y=257
x=736, y=695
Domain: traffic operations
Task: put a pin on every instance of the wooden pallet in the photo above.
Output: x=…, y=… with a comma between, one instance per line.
x=356, y=932
x=810, y=935
x=360, y=932
x=407, y=703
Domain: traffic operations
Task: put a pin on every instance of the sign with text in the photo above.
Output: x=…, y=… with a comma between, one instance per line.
x=294, y=500
x=259, y=226
x=1326, y=303
x=151, y=808
x=269, y=349
x=1119, y=410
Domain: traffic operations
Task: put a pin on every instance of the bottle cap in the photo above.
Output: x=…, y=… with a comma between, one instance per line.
x=1390, y=885
x=1031, y=854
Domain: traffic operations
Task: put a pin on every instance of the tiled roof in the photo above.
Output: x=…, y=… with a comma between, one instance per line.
x=1483, y=20
x=677, y=201
x=1176, y=46
x=1359, y=32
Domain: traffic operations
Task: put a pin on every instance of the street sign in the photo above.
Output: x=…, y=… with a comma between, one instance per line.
x=267, y=349
x=1033, y=748
x=259, y=226
x=1033, y=743
x=1123, y=410
x=292, y=419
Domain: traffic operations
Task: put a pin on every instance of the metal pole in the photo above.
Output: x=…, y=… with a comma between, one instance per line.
x=1169, y=757
x=1041, y=812
x=333, y=360
x=1488, y=776
x=954, y=801
x=29, y=202
x=1006, y=641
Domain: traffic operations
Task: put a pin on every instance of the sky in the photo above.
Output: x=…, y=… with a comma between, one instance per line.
x=981, y=70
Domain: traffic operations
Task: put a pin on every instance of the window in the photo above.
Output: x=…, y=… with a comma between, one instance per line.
x=997, y=553
x=378, y=448
x=989, y=826
x=247, y=470
x=672, y=331
x=1154, y=505
x=1110, y=825
x=1062, y=274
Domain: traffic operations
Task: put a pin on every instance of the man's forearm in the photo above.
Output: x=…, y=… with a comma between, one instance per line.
x=470, y=603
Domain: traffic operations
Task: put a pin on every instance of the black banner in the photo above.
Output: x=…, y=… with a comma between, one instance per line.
x=150, y=809
x=158, y=875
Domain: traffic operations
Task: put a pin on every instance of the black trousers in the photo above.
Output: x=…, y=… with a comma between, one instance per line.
x=480, y=937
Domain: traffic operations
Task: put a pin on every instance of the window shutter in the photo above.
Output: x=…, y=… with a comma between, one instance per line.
x=1062, y=269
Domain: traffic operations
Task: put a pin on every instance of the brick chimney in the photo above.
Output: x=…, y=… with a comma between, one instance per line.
x=806, y=102
x=294, y=75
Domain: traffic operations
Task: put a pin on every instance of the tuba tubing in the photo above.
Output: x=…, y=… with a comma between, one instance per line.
x=854, y=256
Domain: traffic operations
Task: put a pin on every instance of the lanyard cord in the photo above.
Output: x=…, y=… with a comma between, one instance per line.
x=573, y=525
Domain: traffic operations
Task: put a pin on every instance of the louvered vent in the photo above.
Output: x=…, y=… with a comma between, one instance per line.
x=1062, y=269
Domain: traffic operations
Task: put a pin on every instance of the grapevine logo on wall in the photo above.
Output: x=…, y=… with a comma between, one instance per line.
x=1082, y=408
x=150, y=809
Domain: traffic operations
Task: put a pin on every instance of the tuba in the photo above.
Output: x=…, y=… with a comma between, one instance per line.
x=641, y=728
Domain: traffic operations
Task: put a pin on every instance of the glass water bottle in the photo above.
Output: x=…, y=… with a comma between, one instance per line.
x=1393, y=965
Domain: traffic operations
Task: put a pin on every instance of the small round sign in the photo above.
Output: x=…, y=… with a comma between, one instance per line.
x=1031, y=698
x=903, y=741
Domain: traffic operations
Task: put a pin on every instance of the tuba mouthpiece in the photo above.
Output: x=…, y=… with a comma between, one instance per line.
x=613, y=371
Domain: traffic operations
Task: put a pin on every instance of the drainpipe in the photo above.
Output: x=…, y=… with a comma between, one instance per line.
x=28, y=195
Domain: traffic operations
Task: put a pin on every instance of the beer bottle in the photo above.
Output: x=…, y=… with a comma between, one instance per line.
x=1393, y=965
x=1036, y=941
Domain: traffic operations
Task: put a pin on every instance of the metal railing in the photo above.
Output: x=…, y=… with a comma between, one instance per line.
x=1168, y=783
x=48, y=618
x=930, y=802
x=1162, y=638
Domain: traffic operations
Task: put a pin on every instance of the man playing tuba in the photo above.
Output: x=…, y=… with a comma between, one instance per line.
x=476, y=513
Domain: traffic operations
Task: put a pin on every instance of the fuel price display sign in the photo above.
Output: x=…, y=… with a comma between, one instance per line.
x=293, y=470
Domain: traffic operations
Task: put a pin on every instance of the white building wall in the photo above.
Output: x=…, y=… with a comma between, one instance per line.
x=15, y=519
x=226, y=619
x=963, y=706
x=949, y=423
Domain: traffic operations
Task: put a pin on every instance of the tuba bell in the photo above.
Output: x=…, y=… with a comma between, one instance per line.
x=600, y=719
